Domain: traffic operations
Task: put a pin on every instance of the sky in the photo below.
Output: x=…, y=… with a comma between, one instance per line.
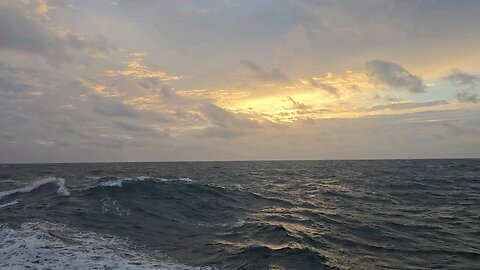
x=120, y=80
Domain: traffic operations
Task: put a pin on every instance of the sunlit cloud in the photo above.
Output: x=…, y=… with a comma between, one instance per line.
x=99, y=89
x=136, y=68
x=43, y=8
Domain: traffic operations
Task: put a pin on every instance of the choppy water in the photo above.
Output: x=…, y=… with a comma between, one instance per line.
x=396, y=214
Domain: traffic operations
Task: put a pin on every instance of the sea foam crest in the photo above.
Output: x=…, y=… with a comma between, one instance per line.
x=54, y=246
x=60, y=182
x=119, y=182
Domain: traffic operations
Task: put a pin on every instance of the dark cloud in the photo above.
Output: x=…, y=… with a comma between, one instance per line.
x=467, y=96
x=22, y=32
x=14, y=80
x=114, y=108
x=226, y=125
x=394, y=76
x=323, y=86
x=467, y=84
x=12, y=84
x=297, y=105
x=409, y=105
x=131, y=127
x=272, y=75
x=460, y=78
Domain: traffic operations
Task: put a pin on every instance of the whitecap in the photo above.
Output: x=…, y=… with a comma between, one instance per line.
x=185, y=179
x=119, y=182
x=113, y=183
x=62, y=190
x=60, y=182
x=54, y=246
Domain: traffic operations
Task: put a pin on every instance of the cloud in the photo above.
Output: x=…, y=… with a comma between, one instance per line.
x=394, y=76
x=43, y=8
x=467, y=82
x=361, y=20
x=297, y=105
x=272, y=75
x=68, y=94
x=112, y=108
x=136, y=68
x=20, y=31
x=467, y=96
x=132, y=127
x=11, y=84
x=409, y=105
x=460, y=78
x=225, y=124
x=315, y=82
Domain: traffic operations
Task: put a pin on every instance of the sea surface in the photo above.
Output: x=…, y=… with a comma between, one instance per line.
x=378, y=214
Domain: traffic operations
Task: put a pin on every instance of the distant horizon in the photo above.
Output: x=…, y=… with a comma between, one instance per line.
x=220, y=161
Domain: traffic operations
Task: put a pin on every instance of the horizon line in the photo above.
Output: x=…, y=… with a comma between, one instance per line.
x=240, y=160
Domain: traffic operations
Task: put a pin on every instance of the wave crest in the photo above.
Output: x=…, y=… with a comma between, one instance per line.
x=60, y=182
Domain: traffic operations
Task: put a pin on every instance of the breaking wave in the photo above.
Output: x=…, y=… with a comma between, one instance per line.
x=60, y=182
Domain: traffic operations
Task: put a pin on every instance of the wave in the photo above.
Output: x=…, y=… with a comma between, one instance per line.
x=285, y=256
x=55, y=246
x=173, y=202
x=10, y=203
x=60, y=182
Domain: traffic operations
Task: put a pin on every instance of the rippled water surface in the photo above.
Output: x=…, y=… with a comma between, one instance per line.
x=395, y=214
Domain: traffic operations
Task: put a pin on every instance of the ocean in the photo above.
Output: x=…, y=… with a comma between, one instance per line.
x=372, y=214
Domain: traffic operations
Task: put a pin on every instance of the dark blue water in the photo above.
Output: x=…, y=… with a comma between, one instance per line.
x=382, y=214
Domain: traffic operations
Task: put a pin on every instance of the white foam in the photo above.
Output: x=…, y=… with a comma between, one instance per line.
x=60, y=182
x=54, y=246
x=10, y=203
x=120, y=182
x=113, y=183
x=185, y=179
x=62, y=190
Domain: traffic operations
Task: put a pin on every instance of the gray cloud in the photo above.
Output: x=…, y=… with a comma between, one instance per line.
x=114, y=109
x=12, y=84
x=467, y=96
x=326, y=87
x=226, y=124
x=409, y=105
x=460, y=78
x=273, y=75
x=467, y=82
x=22, y=32
x=395, y=76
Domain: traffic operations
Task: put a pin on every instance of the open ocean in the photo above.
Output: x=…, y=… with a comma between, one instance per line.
x=379, y=214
